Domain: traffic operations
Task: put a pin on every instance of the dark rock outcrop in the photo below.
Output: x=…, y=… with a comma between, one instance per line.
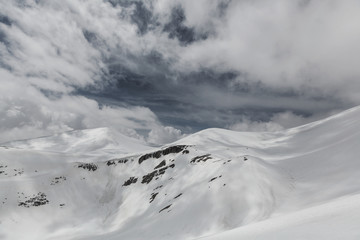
x=163, y=163
x=57, y=180
x=38, y=200
x=166, y=151
x=165, y=208
x=202, y=158
x=148, y=177
x=115, y=161
x=131, y=180
x=88, y=166
x=153, y=196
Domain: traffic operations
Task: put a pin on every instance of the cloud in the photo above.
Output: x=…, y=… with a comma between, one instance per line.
x=248, y=126
x=21, y=119
x=306, y=46
x=295, y=56
x=155, y=69
x=162, y=135
x=287, y=46
x=50, y=50
x=277, y=122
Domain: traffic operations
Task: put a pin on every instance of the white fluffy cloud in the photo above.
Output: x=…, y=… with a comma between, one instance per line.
x=162, y=135
x=308, y=46
x=22, y=118
x=247, y=125
x=50, y=49
x=45, y=57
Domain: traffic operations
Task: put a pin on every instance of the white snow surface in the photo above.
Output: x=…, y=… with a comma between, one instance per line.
x=301, y=183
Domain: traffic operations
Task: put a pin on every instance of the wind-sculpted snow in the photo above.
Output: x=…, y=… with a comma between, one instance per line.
x=207, y=183
x=167, y=187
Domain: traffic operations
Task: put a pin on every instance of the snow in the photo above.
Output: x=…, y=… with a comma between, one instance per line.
x=102, y=142
x=300, y=183
x=337, y=219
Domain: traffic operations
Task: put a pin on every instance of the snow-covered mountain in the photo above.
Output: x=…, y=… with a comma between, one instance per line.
x=302, y=183
x=99, y=141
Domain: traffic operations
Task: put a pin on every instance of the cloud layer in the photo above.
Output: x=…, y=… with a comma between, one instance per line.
x=155, y=69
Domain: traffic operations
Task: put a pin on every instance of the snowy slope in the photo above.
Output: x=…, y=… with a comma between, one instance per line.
x=335, y=219
x=323, y=160
x=302, y=183
x=98, y=140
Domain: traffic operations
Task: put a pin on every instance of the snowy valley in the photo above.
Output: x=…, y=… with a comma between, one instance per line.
x=300, y=183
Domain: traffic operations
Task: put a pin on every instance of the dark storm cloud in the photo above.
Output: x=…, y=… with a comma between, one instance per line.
x=91, y=37
x=176, y=28
x=203, y=99
x=5, y=20
x=142, y=17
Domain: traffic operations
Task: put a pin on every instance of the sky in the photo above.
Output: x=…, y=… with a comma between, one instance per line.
x=158, y=70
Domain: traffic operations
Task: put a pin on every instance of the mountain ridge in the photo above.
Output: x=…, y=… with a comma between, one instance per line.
x=209, y=182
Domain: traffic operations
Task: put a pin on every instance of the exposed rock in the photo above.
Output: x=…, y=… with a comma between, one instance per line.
x=178, y=196
x=88, y=166
x=125, y=160
x=38, y=200
x=185, y=152
x=202, y=158
x=115, y=161
x=18, y=172
x=153, y=196
x=165, y=208
x=110, y=162
x=58, y=180
x=166, y=151
x=148, y=177
x=158, y=187
x=213, y=179
x=163, y=163
x=131, y=180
